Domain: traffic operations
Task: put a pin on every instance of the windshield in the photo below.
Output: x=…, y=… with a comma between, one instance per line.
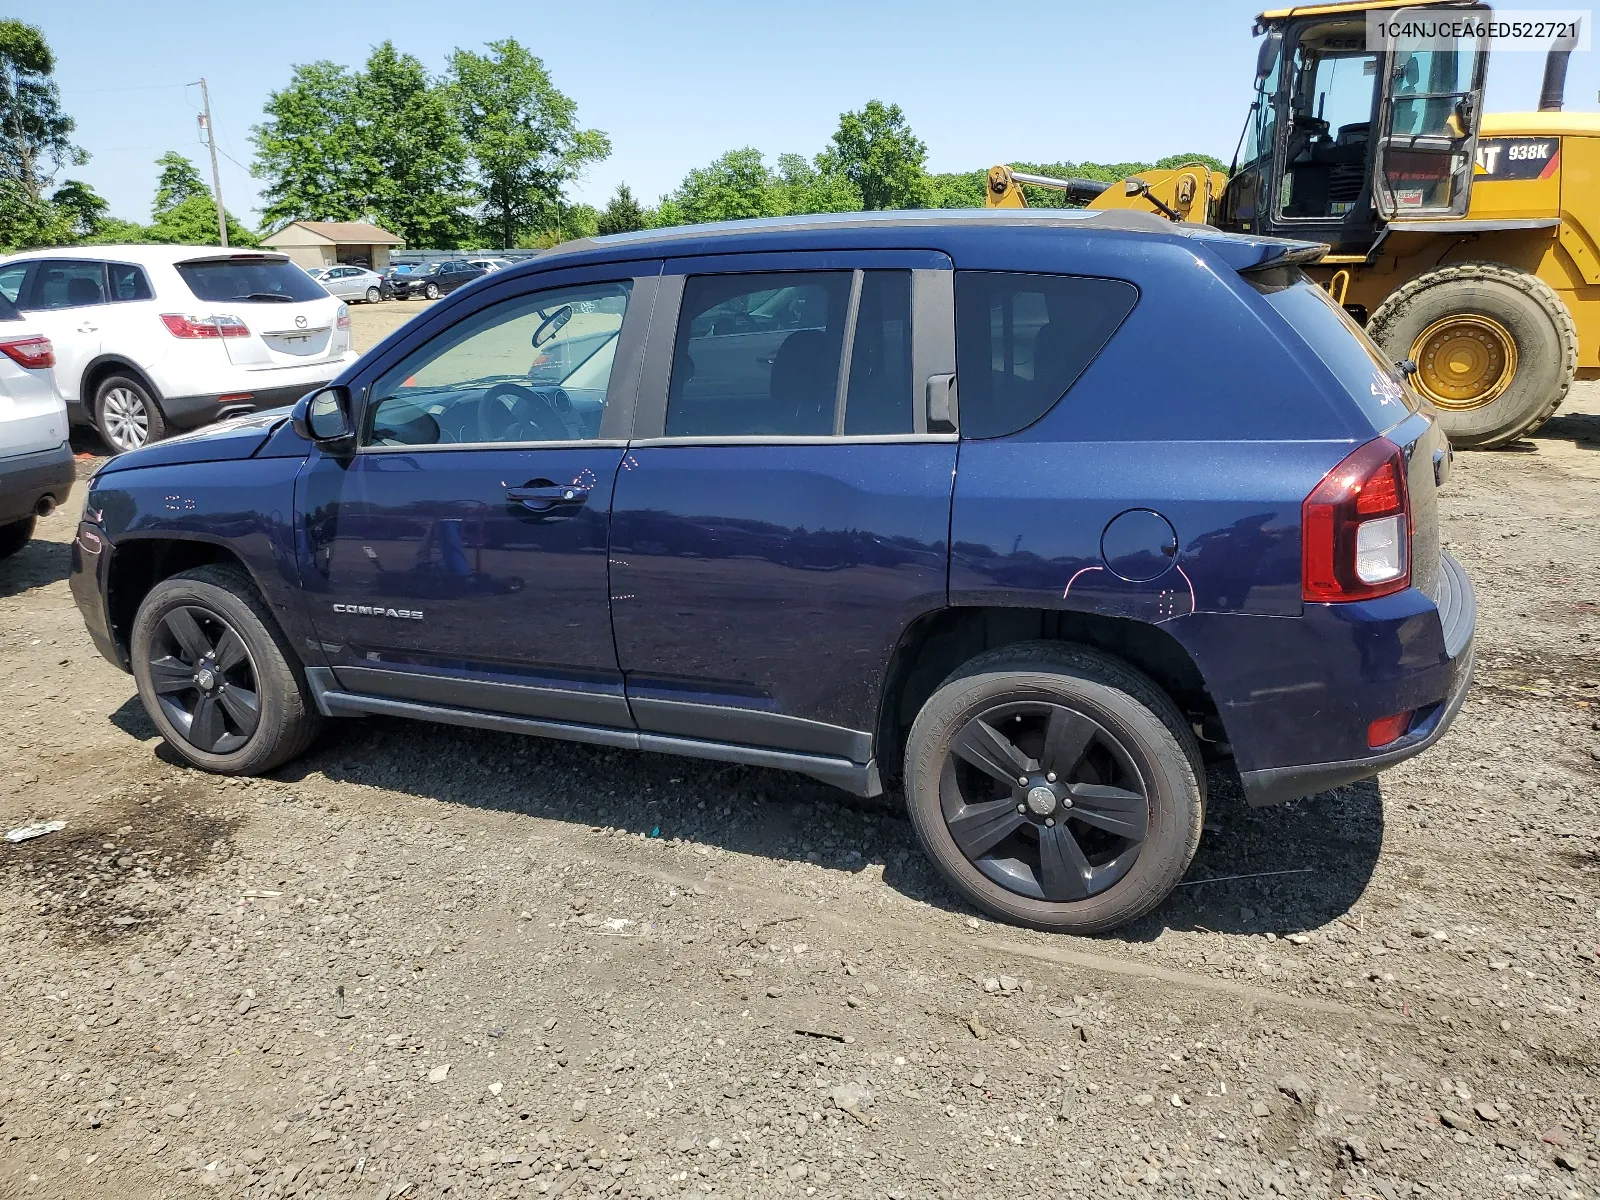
x=258, y=279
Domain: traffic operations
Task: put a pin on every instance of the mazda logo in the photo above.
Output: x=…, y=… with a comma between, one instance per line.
x=300, y=322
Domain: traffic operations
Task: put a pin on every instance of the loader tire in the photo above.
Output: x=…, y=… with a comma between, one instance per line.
x=1496, y=348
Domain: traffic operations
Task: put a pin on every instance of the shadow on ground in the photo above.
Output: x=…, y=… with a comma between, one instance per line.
x=36, y=565
x=1331, y=842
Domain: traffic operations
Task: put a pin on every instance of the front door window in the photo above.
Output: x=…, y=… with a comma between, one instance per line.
x=1430, y=127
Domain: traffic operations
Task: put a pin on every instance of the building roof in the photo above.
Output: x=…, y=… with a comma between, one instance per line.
x=348, y=232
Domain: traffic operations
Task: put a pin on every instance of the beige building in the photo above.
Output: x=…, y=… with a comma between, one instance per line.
x=328, y=243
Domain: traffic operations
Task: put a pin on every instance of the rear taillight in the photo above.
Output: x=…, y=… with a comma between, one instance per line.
x=343, y=321
x=1356, y=527
x=35, y=352
x=214, y=326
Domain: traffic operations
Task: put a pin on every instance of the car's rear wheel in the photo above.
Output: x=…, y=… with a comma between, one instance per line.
x=126, y=414
x=216, y=675
x=431, y=291
x=1055, y=786
x=15, y=536
x=372, y=295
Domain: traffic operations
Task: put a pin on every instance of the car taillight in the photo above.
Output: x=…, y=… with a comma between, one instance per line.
x=35, y=352
x=1356, y=526
x=343, y=321
x=216, y=325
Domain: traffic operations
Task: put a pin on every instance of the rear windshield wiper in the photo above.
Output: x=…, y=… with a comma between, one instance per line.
x=265, y=296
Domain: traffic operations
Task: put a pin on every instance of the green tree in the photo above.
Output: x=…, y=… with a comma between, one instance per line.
x=114, y=231
x=311, y=149
x=179, y=180
x=877, y=152
x=31, y=119
x=26, y=221
x=1173, y=161
x=81, y=206
x=523, y=137
x=812, y=187
x=414, y=157
x=193, y=222
x=622, y=215
x=734, y=186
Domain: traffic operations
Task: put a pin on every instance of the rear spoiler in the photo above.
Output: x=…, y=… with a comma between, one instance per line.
x=1294, y=254
x=224, y=255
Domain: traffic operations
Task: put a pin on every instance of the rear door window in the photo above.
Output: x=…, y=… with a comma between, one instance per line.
x=68, y=283
x=1343, y=346
x=1022, y=340
x=758, y=354
x=249, y=279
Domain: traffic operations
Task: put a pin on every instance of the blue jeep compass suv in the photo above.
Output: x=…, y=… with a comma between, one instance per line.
x=1016, y=510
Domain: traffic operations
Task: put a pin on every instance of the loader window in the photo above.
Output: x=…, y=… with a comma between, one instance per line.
x=1333, y=95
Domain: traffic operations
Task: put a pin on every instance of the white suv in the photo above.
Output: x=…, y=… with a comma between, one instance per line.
x=149, y=339
x=36, y=467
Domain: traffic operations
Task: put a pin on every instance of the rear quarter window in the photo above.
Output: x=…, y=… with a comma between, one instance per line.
x=1022, y=340
x=1343, y=346
x=8, y=310
x=249, y=279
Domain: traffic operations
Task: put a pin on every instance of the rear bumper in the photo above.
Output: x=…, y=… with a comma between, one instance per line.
x=26, y=480
x=1296, y=695
x=186, y=412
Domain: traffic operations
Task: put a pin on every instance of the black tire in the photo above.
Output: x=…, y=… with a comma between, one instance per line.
x=219, y=600
x=1526, y=307
x=126, y=414
x=373, y=295
x=15, y=536
x=431, y=291
x=1030, y=683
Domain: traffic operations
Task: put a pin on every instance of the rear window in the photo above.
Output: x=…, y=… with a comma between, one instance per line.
x=1342, y=345
x=249, y=279
x=8, y=311
x=1022, y=340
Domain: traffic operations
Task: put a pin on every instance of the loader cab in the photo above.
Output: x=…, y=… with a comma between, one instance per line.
x=1344, y=136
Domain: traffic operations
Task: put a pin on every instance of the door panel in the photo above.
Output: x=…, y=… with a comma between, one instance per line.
x=775, y=579
x=765, y=561
x=461, y=581
x=460, y=558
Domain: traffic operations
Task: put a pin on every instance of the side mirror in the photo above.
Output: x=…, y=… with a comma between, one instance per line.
x=1268, y=54
x=323, y=417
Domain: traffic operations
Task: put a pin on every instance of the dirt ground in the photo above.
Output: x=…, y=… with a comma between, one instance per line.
x=427, y=961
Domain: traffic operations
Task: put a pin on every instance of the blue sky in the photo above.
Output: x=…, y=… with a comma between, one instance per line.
x=676, y=83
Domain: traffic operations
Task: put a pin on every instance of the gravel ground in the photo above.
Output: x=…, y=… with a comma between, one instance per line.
x=434, y=962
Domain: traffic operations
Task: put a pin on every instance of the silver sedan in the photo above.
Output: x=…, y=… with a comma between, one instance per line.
x=351, y=283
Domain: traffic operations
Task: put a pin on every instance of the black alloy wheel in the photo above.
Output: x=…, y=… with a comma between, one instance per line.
x=1044, y=801
x=1055, y=785
x=204, y=679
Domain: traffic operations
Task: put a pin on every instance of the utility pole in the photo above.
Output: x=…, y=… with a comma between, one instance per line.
x=216, y=178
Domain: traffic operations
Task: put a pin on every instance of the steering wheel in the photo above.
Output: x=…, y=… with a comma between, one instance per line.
x=509, y=412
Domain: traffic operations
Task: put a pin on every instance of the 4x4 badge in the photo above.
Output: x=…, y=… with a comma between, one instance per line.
x=378, y=610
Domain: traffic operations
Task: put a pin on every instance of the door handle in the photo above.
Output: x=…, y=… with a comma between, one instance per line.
x=542, y=495
x=88, y=327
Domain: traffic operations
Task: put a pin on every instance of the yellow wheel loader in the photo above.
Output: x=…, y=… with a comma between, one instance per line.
x=1468, y=244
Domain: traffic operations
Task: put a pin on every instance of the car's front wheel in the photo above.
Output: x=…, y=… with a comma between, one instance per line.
x=216, y=675
x=373, y=295
x=126, y=414
x=431, y=291
x=1055, y=786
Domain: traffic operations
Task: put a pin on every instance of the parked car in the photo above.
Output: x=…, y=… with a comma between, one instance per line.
x=152, y=339
x=36, y=468
x=490, y=264
x=969, y=504
x=354, y=283
x=434, y=279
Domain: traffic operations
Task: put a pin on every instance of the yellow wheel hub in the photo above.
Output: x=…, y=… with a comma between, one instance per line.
x=1465, y=361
